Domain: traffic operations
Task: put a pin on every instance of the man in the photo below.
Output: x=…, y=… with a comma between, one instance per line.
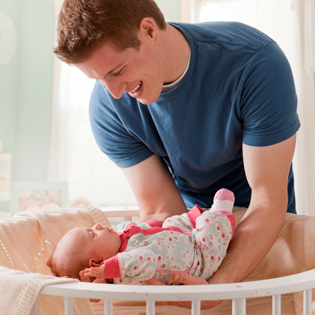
x=188, y=109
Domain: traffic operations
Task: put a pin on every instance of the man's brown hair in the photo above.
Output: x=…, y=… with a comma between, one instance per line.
x=84, y=25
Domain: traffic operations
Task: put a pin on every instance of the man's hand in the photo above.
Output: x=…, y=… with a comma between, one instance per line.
x=185, y=278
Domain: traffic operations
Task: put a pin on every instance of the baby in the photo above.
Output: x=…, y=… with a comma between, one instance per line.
x=195, y=242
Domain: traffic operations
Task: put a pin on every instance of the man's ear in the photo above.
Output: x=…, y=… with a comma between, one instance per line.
x=94, y=262
x=148, y=27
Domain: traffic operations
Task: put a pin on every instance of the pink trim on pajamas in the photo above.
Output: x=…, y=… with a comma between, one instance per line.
x=195, y=242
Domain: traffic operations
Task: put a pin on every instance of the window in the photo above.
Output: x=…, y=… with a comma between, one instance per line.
x=75, y=156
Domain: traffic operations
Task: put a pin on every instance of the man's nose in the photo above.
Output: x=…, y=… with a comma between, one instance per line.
x=115, y=89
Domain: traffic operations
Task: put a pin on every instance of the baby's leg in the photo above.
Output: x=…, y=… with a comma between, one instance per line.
x=223, y=200
x=181, y=221
x=214, y=230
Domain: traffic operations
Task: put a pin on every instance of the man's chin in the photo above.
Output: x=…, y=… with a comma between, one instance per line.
x=147, y=101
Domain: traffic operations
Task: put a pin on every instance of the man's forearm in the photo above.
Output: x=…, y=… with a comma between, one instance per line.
x=161, y=213
x=155, y=189
x=253, y=238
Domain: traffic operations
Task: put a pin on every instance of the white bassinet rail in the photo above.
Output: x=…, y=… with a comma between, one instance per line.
x=292, y=253
x=238, y=292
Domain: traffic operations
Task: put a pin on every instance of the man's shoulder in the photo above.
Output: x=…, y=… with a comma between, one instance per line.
x=225, y=32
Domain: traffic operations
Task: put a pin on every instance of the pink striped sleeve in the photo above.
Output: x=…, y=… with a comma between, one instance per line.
x=112, y=269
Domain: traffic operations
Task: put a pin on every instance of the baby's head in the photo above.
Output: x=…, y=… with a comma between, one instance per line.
x=81, y=248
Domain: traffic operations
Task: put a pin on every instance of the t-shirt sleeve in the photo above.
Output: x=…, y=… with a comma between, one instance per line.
x=119, y=144
x=268, y=102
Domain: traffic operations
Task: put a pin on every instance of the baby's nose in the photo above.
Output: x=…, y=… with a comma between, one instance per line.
x=98, y=226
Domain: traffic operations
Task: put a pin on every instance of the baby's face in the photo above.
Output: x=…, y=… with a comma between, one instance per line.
x=84, y=243
x=101, y=242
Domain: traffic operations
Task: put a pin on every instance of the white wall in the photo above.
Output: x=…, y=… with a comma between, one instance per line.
x=171, y=9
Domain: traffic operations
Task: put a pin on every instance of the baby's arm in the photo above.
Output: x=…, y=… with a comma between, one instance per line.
x=137, y=264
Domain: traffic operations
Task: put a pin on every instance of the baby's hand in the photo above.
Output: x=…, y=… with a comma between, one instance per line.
x=85, y=278
x=96, y=272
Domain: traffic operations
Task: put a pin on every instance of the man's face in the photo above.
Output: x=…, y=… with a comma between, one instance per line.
x=138, y=72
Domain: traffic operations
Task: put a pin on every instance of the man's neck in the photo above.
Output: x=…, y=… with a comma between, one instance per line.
x=178, y=53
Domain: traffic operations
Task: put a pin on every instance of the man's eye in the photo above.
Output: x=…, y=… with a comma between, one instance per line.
x=121, y=71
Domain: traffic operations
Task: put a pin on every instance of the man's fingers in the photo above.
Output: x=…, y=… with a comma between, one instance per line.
x=185, y=278
x=99, y=280
x=180, y=277
x=153, y=281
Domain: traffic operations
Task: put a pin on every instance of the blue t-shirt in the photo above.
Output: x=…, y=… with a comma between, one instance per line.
x=238, y=89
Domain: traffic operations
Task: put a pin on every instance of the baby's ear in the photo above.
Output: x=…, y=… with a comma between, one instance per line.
x=94, y=262
x=48, y=262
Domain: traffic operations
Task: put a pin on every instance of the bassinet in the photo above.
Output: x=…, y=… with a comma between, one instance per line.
x=28, y=238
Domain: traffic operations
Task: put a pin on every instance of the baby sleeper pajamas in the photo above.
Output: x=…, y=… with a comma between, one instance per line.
x=195, y=242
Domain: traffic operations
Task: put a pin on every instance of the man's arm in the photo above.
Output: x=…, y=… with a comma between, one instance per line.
x=267, y=169
x=155, y=190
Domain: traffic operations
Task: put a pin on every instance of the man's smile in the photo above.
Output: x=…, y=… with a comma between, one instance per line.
x=136, y=89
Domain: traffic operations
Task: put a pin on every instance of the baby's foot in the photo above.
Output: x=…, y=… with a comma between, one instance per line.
x=223, y=200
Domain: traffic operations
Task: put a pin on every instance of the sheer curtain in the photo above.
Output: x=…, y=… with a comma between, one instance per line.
x=74, y=154
x=292, y=24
